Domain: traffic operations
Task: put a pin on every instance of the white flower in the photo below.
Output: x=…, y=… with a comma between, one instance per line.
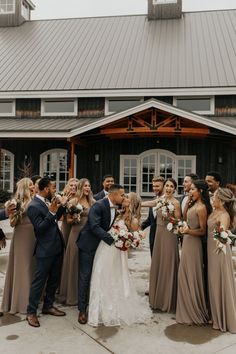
x=123, y=233
x=169, y=226
x=79, y=206
x=171, y=207
x=224, y=234
x=119, y=244
x=159, y=205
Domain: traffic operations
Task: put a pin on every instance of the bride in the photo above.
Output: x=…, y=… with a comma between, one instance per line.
x=113, y=298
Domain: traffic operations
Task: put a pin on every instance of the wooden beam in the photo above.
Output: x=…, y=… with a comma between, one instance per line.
x=72, y=165
x=161, y=130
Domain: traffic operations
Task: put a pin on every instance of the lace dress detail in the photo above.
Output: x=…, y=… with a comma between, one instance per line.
x=113, y=297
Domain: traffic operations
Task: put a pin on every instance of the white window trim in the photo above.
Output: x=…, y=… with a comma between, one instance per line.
x=10, y=12
x=12, y=168
x=147, y=153
x=164, y=2
x=212, y=103
x=107, y=99
x=75, y=113
x=13, y=113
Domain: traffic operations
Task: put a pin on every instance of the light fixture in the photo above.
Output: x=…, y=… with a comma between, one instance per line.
x=96, y=157
x=220, y=159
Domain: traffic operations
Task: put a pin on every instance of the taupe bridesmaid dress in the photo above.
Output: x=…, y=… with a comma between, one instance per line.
x=69, y=278
x=65, y=229
x=164, y=268
x=222, y=288
x=191, y=306
x=21, y=267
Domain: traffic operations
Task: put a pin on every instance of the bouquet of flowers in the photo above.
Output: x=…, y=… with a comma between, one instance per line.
x=174, y=224
x=167, y=209
x=125, y=239
x=75, y=211
x=19, y=210
x=222, y=237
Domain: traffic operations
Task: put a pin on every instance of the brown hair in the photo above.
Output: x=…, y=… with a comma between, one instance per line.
x=158, y=179
x=227, y=197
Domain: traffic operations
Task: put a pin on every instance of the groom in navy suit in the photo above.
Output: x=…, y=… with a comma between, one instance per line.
x=49, y=249
x=100, y=219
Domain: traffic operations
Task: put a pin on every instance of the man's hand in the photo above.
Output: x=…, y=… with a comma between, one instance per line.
x=10, y=209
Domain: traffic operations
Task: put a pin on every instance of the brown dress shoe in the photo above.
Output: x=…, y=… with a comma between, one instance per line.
x=33, y=320
x=83, y=318
x=53, y=311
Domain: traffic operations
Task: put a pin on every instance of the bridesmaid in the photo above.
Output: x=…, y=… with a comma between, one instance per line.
x=191, y=305
x=69, y=280
x=222, y=288
x=165, y=258
x=70, y=188
x=21, y=263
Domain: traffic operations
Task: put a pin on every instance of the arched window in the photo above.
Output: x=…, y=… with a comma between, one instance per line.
x=6, y=170
x=137, y=171
x=53, y=163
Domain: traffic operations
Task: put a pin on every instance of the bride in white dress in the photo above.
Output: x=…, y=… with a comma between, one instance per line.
x=113, y=298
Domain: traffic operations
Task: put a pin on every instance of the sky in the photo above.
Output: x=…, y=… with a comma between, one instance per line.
x=50, y=9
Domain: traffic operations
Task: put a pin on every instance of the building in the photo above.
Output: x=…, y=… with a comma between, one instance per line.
x=129, y=95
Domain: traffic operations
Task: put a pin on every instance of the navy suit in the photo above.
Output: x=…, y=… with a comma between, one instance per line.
x=99, y=195
x=95, y=230
x=2, y=217
x=150, y=221
x=49, y=251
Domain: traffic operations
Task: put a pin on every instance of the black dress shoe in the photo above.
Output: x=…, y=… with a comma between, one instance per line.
x=33, y=320
x=83, y=318
x=1, y=314
x=53, y=311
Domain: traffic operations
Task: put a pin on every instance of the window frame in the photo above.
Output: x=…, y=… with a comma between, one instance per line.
x=212, y=103
x=164, y=2
x=107, y=99
x=48, y=114
x=13, y=112
x=12, y=160
x=9, y=12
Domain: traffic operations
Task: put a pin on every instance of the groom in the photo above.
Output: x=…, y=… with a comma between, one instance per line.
x=100, y=219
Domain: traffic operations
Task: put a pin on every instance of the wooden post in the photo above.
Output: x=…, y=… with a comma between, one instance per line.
x=72, y=165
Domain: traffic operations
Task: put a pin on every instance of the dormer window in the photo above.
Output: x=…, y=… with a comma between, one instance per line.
x=7, y=7
x=162, y=2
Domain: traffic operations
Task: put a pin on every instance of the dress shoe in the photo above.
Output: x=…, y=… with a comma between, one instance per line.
x=1, y=314
x=147, y=292
x=33, y=320
x=53, y=311
x=83, y=318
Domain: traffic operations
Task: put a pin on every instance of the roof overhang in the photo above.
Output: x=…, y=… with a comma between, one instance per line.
x=71, y=127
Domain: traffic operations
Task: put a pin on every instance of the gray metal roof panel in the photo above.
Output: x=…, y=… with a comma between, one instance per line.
x=123, y=52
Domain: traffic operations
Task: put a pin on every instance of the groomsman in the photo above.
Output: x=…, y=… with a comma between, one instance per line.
x=188, y=180
x=49, y=249
x=214, y=181
x=157, y=187
x=107, y=182
x=100, y=219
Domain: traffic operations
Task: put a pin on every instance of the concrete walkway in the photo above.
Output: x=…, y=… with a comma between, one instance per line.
x=158, y=335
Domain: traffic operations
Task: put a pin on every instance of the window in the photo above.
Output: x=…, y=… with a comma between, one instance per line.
x=160, y=2
x=137, y=171
x=7, y=108
x=7, y=6
x=113, y=105
x=53, y=163
x=59, y=107
x=6, y=170
x=202, y=105
x=129, y=176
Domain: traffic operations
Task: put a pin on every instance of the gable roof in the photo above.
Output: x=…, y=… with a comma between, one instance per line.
x=66, y=128
x=120, y=53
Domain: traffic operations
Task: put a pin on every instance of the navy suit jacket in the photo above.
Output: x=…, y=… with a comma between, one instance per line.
x=3, y=215
x=49, y=239
x=99, y=195
x=150, y=221
x=96, y=228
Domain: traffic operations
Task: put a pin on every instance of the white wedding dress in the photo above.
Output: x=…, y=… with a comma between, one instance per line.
x=113, y=298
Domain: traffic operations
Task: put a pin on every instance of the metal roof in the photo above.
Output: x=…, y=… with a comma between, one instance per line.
x=69, y=127
x=122, y=52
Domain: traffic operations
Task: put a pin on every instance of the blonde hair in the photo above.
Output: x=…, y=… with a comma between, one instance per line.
x=226, y=196
x=134, y=211
x=80, y=192
x=23, y=192
x=67, y=186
